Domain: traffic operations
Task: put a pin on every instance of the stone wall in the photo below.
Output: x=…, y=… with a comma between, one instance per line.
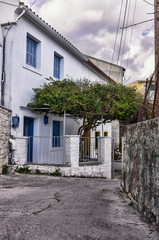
x=5, y=118
x=140, y=177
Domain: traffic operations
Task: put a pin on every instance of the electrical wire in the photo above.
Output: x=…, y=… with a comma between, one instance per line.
x=117, y=31
x=29, y=8
x=138, y=23
x=33, y=3
x=121, y=39
x=149, y=3
x=125, y=36
x=127, y=62
x=153, y=12
x=11, y=4
x=20, y=17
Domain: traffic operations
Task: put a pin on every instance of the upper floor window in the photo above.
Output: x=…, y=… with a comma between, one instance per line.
x=58, y=66
x=31, y=54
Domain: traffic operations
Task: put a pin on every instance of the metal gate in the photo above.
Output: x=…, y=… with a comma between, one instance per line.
x=88, y=149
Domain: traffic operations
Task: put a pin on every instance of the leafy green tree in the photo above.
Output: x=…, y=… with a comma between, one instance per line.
x=86, y=100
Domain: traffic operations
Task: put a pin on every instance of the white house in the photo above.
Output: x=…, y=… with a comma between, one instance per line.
x=116, y=72
x=30, y=51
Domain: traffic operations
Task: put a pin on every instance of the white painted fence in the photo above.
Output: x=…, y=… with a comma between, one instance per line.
x=71, y=166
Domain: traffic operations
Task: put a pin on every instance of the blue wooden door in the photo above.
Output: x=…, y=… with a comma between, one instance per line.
x=29, y=131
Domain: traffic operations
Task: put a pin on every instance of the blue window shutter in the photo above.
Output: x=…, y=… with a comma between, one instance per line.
x=57, y=66
x=56, y=134
x=31, y=52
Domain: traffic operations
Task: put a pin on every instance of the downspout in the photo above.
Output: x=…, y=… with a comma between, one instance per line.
x=3, y=78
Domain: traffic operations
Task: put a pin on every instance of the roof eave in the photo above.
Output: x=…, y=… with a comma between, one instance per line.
x=52, y=32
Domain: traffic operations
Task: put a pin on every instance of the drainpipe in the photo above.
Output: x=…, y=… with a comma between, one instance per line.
x=3, y=78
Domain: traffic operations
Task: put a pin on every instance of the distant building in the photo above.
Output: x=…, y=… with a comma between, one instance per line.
x=114, y=71
x=141, y=87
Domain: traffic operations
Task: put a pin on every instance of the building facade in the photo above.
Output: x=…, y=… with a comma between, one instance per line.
x=31, y=51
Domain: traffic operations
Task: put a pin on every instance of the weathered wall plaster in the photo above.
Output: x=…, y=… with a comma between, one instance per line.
x=4, y=135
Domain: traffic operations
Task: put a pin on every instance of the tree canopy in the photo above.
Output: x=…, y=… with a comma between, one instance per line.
x=86, y=100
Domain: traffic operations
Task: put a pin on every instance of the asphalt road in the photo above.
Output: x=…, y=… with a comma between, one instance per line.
x=34, y=207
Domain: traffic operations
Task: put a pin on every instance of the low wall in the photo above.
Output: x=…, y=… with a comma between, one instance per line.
x=140, y=177
x=5, y=123
x=20, y=152
x=72, y=167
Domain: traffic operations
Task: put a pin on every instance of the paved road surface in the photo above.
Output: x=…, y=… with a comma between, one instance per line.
x=34, y=207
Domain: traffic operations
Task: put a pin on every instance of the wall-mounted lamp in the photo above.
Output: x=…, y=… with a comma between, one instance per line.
x=46, y=119
x=15, y=121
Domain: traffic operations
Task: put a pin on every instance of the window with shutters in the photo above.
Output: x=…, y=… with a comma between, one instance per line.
x=57, y=134
x=31, y=54
x=58, y=66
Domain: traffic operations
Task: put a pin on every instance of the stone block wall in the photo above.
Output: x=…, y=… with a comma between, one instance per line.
x=5, y=123
x=140, y=177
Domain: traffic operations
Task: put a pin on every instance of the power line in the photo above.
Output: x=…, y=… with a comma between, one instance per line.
x=11, y=4
x=153, y=12
x=33, y=3
x=117, y=31
x=149, y=3
x=127, y=62
x=125, y=36
x=137, y=23
x=121, y=39
x=28, y=9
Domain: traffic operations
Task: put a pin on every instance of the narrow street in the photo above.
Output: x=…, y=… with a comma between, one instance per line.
x=50, y=208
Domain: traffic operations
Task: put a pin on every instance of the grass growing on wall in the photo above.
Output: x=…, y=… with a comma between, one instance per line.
x=4, y=169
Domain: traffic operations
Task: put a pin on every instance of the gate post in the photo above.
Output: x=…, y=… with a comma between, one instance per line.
x=104, y=154
x=20, y=153
x=72, y=152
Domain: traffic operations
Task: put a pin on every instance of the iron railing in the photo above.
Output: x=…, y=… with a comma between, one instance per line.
x=88, y=149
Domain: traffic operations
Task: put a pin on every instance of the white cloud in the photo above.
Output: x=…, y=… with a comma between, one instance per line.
x=91, y=26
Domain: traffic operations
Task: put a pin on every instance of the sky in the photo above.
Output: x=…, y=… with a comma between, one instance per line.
x=91, y=26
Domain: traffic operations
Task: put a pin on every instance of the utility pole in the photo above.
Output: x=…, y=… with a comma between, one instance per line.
x=155, y=112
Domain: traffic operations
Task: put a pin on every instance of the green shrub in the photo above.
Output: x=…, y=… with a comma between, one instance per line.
x=23, y=170
x=38, y=171
x=57, y=173
x=4, y=169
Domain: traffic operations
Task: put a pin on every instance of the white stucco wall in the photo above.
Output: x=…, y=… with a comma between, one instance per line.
x=7, y=8
x=1, y=44
x=21, y=78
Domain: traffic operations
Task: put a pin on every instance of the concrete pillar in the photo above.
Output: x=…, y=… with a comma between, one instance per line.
x=72, y=151
x=104, y=153
x=20, y=153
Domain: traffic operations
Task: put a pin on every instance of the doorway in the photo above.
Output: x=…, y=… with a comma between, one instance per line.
x=29, y=132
